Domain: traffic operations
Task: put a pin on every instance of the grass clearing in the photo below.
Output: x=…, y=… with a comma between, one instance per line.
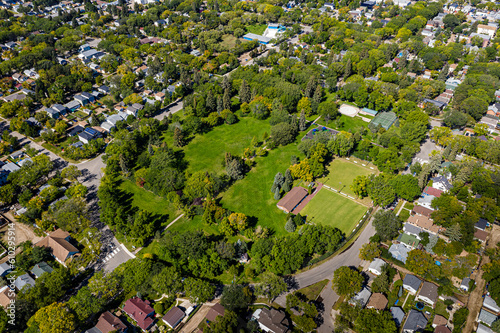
x=441, y=309
x=252, y=195
x=144, y=199
x=341, y=174
x=312, y=292
x=333, y=209
x=229, y=41
x=206, y=152
x=256, y=28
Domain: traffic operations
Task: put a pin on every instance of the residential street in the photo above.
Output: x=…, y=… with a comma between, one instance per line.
x=325, y=271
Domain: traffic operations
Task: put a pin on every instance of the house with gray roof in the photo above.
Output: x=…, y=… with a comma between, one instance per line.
x=72, y=105
x=40, y=269
x=465, y=284
x=416, y=322
x=441, y=183
x=411, y=283
x=23, y=281
x=399, y=252
x=376, y=266
x=490, y=304
x=59, y=108
x=10, y=167
x=398, y=315
x=413, y=230
x=428, y=293
x=483, y=329
x=486, y=317
x=361, y=298
x=5, y=269
x=54, y=114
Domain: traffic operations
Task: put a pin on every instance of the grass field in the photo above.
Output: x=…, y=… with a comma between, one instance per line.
x=312, y=292
x=146, y=200
x=252, y=195
x=206, y=152
x=341, y=174
x=257, y=28
x=329, y=208
x=347, y=123
x=228, y=41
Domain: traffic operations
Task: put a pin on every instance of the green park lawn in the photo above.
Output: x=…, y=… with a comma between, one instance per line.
x=333, y=209
x=252, y=195
x=147, y=200
x=256, y=28
x=341, y=174
x=206, y=152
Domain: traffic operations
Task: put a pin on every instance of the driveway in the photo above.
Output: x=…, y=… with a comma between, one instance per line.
x=325, y=271
x=171, y=109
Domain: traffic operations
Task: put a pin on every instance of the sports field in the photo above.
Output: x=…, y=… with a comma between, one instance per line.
x=333, y=209
x=341, y=174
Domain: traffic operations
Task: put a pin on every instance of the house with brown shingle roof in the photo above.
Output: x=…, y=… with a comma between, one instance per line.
x=6, y=296
x=140, y=311
x=420, y=210
x=58, y=242
x=108, y=322
x=292, y=199
x=377, y=301
x=439, y=321
x=173, y=317
x=271, y=320
x=480, y=235
x=424, y=222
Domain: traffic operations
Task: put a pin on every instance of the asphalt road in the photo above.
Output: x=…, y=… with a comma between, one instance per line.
x=325, y=271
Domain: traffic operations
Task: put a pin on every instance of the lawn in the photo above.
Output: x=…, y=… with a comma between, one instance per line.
x=342, y=173
x=333, y=209
x=228, y=41
x=147, y=200
x=256, y=28
x=312, y=292
x=346, y=123
x=206, y=152
x=252, y=195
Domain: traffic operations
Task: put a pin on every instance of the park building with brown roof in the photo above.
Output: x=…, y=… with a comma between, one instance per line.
x=292, y=199
x=58, y=242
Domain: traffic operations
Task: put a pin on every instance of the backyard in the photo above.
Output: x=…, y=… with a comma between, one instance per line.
x=256, y=28
x=335, y=210
x=341, y=174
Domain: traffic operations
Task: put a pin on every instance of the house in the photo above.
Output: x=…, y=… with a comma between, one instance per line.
x=410, y=241
x=486, y=317
x=421, y=210
x=376, y=266
x=481, y=235
x=5, y=269
x=24, y=281
x=442, y=329
x=140, y=311
x=83, y=100
x=377, y=301
x=58, y=242
x=491, y=121
x=484, y=329
x=428, y=293
x=72, y=105
x=439, y=321
x=7, y=296
x=432, y=191
x=173, y=317
x=40, y=269
x=426, y=201
x=292, y=199
x=481, y=224
x=416, y=322
x=465, y=284
x=399, y=252
x=259, y=38
x=361, y=298
x=215, y=311
x=413, y=230
x=75, y=130
x=411, y=283
x=171, y=89
x=107, y=323
x=195, y=53
x=103, y=89
x=423, y=223
x=113, y=119
x=441, y=183
x=397, y=315
x=54, y=114
x=89, y=96
x=88, y=135
x=486, y=29
x=490, y=304
x=271, y=320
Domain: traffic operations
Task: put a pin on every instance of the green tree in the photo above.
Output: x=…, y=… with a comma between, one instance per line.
x=387, y=224
x=271, y=286
x=406, y=187
x=245, y=95
x=85, y=304
x=359, y=186
x=302, y=121
x=199, y=291
x=346, y=281
x=369, y=251
x=54, y=318
x=168, y=281
x=373, y=321
x=290, y=225
x=420, y=262
x=235, y=297
x=380, y=190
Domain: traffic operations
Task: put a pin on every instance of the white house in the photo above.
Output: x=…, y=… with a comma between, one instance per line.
x=486, y=29
x=411, y=283
x=376, y=266
x=428, y=293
